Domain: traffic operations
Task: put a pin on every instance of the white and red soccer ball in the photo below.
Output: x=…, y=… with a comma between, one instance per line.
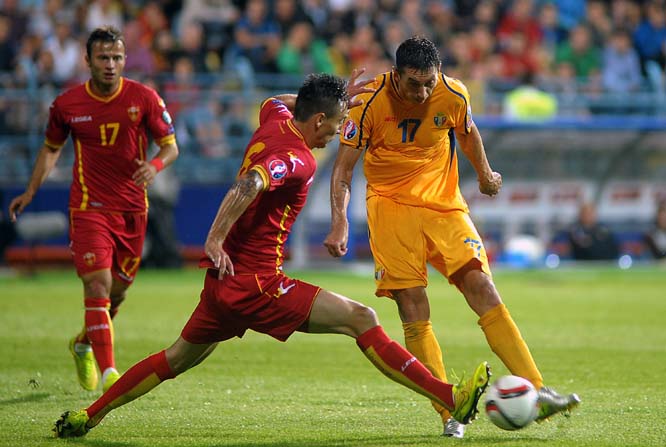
x=511, y=403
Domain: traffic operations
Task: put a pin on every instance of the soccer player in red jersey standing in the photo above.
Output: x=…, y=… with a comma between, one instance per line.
x=108, y=118
x=245, y=287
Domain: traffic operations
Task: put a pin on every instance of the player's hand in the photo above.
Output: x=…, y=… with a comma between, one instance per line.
x=17, y=205
x=336, y=242
x=356, y=87
x=490, y=186
x=144, y=174
x=221, y=260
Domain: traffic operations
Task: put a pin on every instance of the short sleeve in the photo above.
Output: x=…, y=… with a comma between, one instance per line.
x=158, y=119
x=356, y=128
x=57, y=130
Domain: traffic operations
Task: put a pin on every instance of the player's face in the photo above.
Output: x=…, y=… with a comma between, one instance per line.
x=330, y=126
x=416, y=85
x=106, y=63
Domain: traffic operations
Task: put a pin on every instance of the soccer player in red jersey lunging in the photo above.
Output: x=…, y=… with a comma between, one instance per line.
x=245, y=287
x=108, y=118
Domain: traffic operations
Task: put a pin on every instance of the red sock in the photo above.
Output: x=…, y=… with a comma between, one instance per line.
x=137, y=381
x=100, y=331
x=399, y=365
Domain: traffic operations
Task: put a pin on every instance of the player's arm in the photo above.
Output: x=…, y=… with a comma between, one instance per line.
x=241, y=194
x=471, y=144
x=341, y=180
x=46, y=161
x=147, y=170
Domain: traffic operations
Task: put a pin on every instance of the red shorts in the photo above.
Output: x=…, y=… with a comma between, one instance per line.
x=272, y=304
x=107, y=241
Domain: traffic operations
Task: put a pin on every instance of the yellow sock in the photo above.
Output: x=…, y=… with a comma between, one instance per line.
x=422, y=343
x=505, y=340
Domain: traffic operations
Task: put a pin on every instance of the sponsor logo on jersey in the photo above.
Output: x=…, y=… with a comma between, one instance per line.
x=277, y=169
x=133, y=113
x=439, y=119
x=89, y=258
x=166, y=117
x=350, y=130
x=81, y=119
x=293, y=158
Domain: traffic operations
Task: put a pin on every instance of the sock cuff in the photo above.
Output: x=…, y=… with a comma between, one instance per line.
x=97, y=302
x=161, y=366
x=416, y=329
x=493, y=315
x=371, y=337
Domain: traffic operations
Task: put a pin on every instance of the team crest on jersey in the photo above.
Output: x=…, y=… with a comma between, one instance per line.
x=439, y=119
x=277, y=169
x=350, y=130
x=133, y=113
x=89, y=258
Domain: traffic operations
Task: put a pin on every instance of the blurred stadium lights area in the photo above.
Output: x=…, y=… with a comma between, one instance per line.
x=601, y=147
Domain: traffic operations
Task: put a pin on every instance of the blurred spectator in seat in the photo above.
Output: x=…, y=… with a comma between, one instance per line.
x=193, y=47
x=580, y=52
x=650, y=40
x=591, y=240
x=528, y=102
x=303, y=53
x=203, y=129
x=517, y=58
x=140, y=61
x=183, y=90
x=288, y=13
x=104, y=13
x=621, y=69
x=64, y=48
x=257, y=37
x=570, y=12
x=553, y=32
x=7, y=47
x=625, y=14
x=598, y=21
x=236, y=125
x=520, y=20
x=655, y=238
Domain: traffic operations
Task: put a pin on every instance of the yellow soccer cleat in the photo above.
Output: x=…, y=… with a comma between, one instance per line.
x=467, y=393
x=84, y=360
x=72, y=424
x=111, y=378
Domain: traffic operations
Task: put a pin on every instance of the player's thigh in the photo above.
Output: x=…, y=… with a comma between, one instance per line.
x=91, y=242
x=129, y=235
x=397, y=243
x=453, y=241
x=334, y=313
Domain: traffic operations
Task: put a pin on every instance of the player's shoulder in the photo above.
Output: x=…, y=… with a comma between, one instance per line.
x=454, y=87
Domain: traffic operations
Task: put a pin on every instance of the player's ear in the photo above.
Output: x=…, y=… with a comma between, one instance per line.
x=319, y=120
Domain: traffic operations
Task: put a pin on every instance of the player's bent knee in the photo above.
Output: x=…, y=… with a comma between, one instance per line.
x=363, y=318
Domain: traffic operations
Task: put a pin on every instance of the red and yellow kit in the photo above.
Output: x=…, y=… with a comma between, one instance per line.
x=109, y=133
x=259, y=296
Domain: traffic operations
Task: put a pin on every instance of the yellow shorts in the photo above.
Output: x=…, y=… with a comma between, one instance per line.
x=404, y=238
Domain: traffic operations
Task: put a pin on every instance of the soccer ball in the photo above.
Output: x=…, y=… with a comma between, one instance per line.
x=511, y=403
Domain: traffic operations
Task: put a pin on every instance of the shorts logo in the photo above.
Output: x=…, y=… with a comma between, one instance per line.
x=282, y=290
x=277, y=169
x=350, y=130
x=133, y=113
x=474, y=244
x=89, y=258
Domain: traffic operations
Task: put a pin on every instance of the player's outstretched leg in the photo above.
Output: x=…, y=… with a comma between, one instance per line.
x=84, y=360
x=468, y=392
x=551, y=402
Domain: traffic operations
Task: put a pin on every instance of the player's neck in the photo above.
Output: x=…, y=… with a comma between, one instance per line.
x=104, y=89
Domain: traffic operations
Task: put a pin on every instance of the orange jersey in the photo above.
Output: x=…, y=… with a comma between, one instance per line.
x=410, y=148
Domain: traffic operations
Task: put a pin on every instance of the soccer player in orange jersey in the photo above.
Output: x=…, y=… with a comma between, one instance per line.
x=245, y=287
x=108, y=118
x=407, y=131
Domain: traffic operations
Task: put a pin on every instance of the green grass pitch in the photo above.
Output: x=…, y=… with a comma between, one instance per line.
x=598, y=332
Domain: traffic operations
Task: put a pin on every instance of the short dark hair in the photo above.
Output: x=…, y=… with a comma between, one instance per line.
x=107, y=34
x=320, y=93
x=417, y=52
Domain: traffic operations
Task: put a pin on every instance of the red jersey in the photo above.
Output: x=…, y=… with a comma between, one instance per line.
x=277, y=152
x=108, y=133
